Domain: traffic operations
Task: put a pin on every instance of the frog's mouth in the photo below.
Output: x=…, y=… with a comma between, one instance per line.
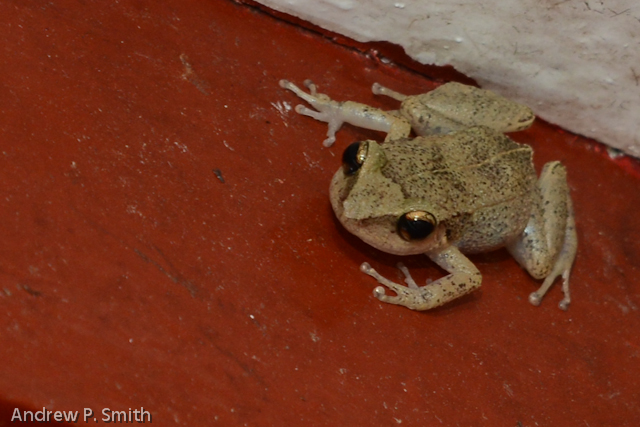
x=339, y=189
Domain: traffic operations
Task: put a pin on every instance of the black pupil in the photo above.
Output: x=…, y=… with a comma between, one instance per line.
x=414, y=229
x=350, y=159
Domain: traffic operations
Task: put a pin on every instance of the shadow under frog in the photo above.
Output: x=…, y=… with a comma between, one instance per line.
x=461, y=186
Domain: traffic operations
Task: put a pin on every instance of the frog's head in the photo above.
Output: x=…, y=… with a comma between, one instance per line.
x=374, y=207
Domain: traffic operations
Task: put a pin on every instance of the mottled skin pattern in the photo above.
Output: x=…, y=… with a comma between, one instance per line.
x=479, y=186
x=454, y=106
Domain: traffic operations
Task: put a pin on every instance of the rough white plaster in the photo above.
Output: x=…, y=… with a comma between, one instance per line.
x=575, y=62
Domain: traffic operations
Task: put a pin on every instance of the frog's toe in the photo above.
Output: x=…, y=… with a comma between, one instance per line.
x=380, y=292
x=535, y=298
x=321, y=116
x=313, y=97
x=564, y=304
x=285, y=84
x=378, y=89
x=301, y=109
x=313, y=89
x=329, y=141
x=414, y=299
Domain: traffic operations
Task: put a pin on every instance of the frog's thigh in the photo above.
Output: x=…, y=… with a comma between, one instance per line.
x=547, y=247
x=542, y=239
x=427, y=121
x=468, y=106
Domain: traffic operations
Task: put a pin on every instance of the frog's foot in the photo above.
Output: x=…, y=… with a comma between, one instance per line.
x=411, y=296
x=328, y=110
x=535, y=298
x=336, y=113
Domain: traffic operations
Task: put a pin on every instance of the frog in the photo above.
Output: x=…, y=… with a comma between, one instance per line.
x=456, y=186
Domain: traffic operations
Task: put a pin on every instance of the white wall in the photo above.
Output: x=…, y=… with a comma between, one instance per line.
x=575, y=62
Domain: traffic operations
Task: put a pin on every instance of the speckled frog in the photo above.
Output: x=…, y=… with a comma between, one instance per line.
x=461, y=186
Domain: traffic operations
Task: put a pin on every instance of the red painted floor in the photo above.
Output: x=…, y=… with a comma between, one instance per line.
x=168, y=244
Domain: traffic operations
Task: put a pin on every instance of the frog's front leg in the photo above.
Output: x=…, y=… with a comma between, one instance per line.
x=463, y=279
x=548, y=244
x=336, y=113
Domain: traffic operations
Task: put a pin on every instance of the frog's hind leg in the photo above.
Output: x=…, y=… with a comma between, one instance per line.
x=547, y=247
x=562, y=266
x=336, y=113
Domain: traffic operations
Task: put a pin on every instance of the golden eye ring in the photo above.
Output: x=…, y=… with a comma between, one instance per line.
x=354, y=156
x=416, y=225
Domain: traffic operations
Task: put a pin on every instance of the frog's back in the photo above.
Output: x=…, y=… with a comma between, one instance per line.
x=462, y=172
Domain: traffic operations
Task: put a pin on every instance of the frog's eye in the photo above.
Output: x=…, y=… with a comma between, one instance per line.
x=416, y=225
x=354, y=156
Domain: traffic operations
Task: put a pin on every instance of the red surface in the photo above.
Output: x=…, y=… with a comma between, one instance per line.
x=132, y=276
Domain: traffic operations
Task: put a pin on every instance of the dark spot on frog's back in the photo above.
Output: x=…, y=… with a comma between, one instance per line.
x=413, y=156
x=436, y=158
x=457, y=184
x=456, y=226
x=488, y=143
x=449, y=234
